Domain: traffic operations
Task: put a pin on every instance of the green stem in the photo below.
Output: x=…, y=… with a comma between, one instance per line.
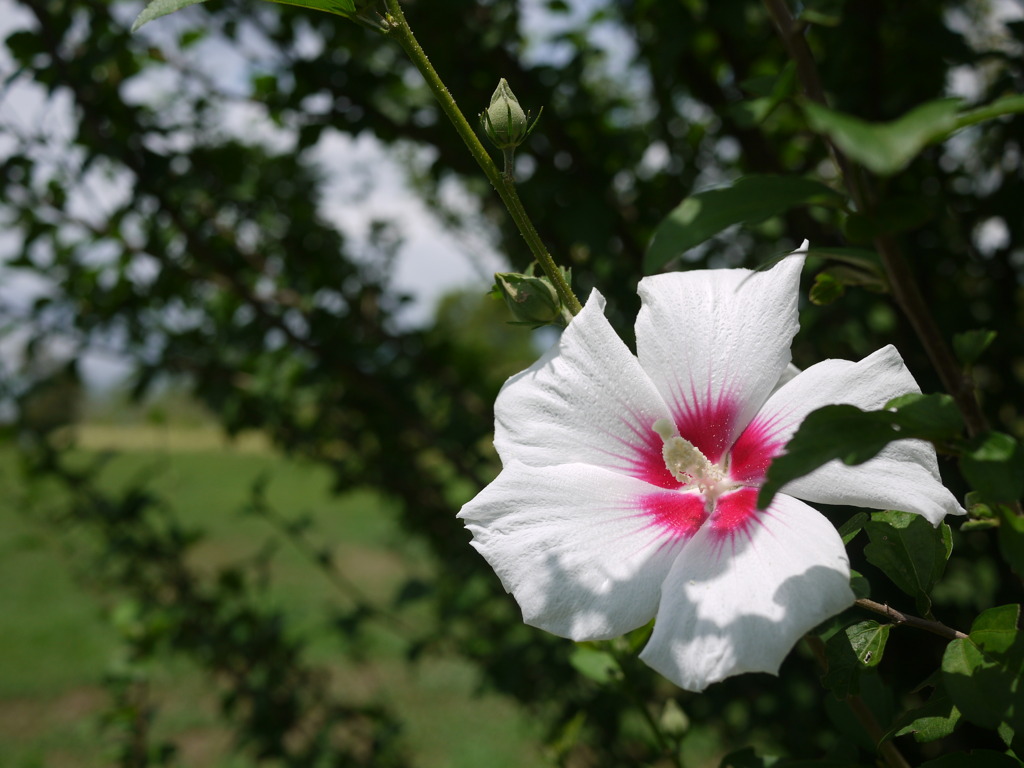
x=398, y=27
x=668, y=746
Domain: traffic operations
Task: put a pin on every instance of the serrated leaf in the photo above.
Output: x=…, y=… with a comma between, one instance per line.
x=750, y=200
x=886, y=148
x=970, y=345
x=909, y=551
x=868, y=639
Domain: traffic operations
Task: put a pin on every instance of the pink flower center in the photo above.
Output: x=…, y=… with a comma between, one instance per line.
x=725, y=490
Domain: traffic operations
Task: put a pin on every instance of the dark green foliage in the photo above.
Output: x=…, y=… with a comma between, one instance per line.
x=750, y=200
x=219, y=267
x=852, y=652
x=854, y=436
x=982, y=672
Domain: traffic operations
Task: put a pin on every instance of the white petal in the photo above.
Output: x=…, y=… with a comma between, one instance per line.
x=904, y=476
x=716, y=342
x=734, y=605
x=587, y=400
x=584, y=550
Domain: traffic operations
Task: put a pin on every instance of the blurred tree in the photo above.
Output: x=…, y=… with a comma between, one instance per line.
x=215, y=259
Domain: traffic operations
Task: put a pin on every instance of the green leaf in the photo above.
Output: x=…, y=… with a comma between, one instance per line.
x=868, y=640
x=935, y=720
x=995, y=630
x=853, y=526
x=600, y=666
x=158, y=8
x=963, y=665
x=982, y=672
x=859, y=585
x=344, y=8
x=852, y=652
x=834, y=432
x=847, y=433
x=993, y=464
x=885, y=148
x=970, y=345
x=749, y=200
x=909, y=551
x=927, y=417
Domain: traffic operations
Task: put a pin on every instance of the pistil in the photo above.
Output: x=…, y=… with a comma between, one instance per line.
x=686, y=462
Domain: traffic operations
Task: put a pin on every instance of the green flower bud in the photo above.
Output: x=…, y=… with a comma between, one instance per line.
x=504, y=121
x=532, y=300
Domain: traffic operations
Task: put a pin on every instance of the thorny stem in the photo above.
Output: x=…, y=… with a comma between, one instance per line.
x=904, y=288
x=898, y=617
x=398, y=27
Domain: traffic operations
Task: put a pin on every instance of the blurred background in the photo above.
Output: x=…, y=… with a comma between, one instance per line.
x=248, y=362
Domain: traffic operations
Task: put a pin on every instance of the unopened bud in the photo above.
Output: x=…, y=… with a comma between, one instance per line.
x=504, y=121
x=532, y=300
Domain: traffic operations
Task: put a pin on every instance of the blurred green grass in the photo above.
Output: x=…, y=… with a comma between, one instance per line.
x=57, y=640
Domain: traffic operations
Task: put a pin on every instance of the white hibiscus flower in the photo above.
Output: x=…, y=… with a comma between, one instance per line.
x=629, y=483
